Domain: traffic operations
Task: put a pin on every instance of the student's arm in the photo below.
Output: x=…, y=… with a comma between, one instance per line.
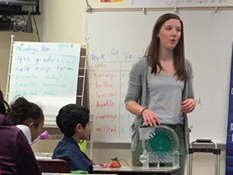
x=26, y=158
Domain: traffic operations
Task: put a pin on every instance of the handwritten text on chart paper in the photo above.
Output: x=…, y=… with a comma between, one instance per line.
x=108, y=83
x=108, y=87
x=45, y=71
x=115, y=55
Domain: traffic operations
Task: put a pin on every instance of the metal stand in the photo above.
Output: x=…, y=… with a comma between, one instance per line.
x=214, y=150
x=9, y=69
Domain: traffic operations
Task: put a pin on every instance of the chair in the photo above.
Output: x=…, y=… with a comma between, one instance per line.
x=54, y=166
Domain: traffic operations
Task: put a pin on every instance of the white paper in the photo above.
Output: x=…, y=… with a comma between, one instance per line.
x=144, y=3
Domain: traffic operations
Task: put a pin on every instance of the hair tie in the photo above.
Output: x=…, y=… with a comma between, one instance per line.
x=144, y=110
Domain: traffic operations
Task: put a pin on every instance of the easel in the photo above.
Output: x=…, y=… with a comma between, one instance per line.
x=82, y=96
x=9, y=69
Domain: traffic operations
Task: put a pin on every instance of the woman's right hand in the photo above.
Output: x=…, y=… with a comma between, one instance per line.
x=150, y=118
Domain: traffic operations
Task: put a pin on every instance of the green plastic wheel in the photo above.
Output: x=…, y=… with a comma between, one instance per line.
x=162, y=140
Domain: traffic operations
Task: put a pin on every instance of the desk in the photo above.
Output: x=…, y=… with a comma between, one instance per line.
x=71, y=174
x=125, y=170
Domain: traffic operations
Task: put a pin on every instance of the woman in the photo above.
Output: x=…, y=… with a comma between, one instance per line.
x=161, y=85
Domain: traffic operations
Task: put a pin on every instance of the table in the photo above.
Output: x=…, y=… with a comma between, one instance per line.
x=125, y=170
x=70, y=174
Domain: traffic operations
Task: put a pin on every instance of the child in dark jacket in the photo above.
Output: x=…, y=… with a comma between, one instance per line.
x=73, y=121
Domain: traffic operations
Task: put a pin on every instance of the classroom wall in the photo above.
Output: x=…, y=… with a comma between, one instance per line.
x=65, y=22
x=5, y=43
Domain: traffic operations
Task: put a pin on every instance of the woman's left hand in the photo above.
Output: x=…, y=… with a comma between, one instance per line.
x=188, y=105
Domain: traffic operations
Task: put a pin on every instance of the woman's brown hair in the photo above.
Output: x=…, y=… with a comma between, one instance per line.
x=152, y=52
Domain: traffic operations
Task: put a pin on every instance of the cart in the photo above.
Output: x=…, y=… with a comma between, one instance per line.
x=213, y=150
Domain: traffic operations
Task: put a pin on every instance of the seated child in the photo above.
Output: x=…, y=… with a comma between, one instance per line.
x=73, y=121
x=16, y=155
x=28, y=117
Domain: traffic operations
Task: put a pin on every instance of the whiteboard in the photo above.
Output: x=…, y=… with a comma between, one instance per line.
x=46, y=74
x=117, y=39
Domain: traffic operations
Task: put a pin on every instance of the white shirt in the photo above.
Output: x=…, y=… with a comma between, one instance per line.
x=25, y=129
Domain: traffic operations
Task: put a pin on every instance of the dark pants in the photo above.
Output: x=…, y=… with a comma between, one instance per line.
x=179, y=129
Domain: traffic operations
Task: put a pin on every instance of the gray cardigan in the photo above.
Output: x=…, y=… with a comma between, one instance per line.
x=137, y=91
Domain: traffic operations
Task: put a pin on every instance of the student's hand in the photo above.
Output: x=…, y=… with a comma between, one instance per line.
x=150, y=118
x=188, y=105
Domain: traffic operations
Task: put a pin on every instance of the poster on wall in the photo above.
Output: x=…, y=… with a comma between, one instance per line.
x=160, y=3
x=175, y=3
x=212, y=2
x=144, y=3
x=111, y=0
